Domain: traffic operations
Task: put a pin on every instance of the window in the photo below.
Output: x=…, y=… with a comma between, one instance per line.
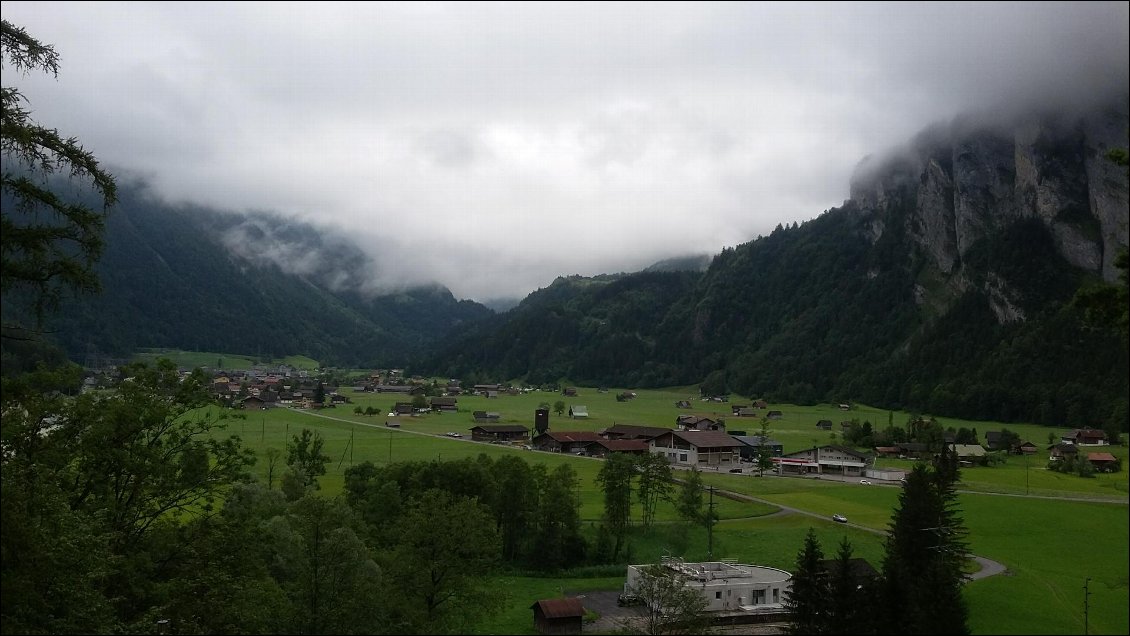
x=717, y=595
x=759, y=597
x=682, y=457
x=776, y=595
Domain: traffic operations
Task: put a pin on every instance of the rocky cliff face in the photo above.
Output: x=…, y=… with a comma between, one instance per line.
x=957, y=184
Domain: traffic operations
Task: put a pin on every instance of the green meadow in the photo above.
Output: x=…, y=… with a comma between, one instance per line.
x=227, y=361
x=1051, y=531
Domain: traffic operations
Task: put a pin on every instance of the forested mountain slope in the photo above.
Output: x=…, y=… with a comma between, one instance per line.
x=944, y=284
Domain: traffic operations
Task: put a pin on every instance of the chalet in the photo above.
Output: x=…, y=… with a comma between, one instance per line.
x=752, y=445
x=564, y=441
x=484, y=389
x=624, y=396
x=968, y=452
x=726, y=586
x=1062, y=450
x=500, y=433
x=396, y=388
x=569, y=391
x=1088, y=437
x=698, y=448
x=746, y=411
x=845, y=407
x=774, y=415
x=633, y=431
x=558, y=615
x=444, y=404
x=484, y=416
x=254, y=403
x=578, y=411
x=338, y=398
x=915, y=450
x=698, y=423
x=1027, y=448
x=993, y=441
x=761, y=404
x=887, y=451
x=682, y=404
x=1103, y=462
x=402, y=408
x=823, y=460
x=734, y=408
x=605, y=447
x=824, y=425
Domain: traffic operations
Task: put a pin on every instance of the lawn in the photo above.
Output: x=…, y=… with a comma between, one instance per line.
x=1049, y=546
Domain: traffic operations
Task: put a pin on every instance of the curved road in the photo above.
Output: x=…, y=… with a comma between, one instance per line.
x=988, y=566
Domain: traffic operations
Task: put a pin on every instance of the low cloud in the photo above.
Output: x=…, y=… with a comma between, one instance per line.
x=492, y=147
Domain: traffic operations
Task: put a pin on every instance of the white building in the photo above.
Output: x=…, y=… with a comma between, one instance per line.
x=725, y=585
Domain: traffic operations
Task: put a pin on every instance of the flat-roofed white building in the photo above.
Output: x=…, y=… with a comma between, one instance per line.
x=726, y=585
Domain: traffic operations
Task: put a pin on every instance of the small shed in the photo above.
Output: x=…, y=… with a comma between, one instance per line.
x=558, y=615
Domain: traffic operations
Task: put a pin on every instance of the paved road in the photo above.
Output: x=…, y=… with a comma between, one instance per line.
x=988, y=566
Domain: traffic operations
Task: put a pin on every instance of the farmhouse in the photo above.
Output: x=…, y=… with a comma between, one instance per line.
x=500, y=433
x=824, y=425
x=605, y=447
x=698, y=423
x=752, y=444
x=1103, y=462
x=726, y=586
x=485, y=416
x=697, y=448
x=564, y=441
x=632, y=431
x=445, y=404
x=1062, y=450
x=1087, y=437
x=824, y=460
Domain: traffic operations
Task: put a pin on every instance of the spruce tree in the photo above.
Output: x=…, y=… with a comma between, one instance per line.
x=807, y=597
x=925, y=553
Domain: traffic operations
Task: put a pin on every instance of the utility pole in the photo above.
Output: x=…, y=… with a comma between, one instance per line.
x=710, y=526
x=1086, y=606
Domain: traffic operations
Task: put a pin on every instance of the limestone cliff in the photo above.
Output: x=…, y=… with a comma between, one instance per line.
x=955, y=185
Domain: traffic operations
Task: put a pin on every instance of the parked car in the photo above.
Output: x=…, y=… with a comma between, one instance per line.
x=453, y=434
x=865, y=482
x=839, y=518
x=736, y=470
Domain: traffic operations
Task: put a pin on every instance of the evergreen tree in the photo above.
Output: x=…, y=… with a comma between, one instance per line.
x=807, y=598
x=925, y=554
x=850, y=597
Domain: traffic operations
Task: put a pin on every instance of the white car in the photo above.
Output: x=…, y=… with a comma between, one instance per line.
x=865, y=482
x=454, y=435
x=839, y=518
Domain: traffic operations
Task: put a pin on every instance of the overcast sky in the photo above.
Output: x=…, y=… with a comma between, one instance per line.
x=492, y=147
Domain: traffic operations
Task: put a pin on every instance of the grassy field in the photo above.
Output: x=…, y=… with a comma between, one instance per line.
x=218, y=361
x=1050, y=546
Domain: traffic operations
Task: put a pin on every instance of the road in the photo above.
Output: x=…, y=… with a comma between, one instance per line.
x=988, y=566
